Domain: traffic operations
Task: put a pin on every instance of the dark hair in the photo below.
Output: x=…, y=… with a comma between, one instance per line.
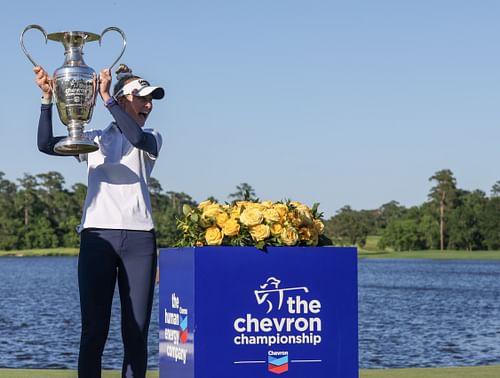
x=123, y=75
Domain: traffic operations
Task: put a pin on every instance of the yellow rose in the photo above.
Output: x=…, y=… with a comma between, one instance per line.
x=314, y=238
x=251, y=217
x=282, y=210
x=289, y=236
x=199, y=243
x=305, y=233
x=276, y=228
x=204, y=204
x=319, y=226
x=241, y=204
x=211, y=211
x=271, y=215
x=306, y=216
x=260, y=232
x=294, y=218
x=309, y=235
x=235, y=212
x=299, y=205
x=221, y=219
x=266, y=204
x=231, y=227
x=214, y=235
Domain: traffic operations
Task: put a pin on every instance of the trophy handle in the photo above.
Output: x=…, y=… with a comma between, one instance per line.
x=21, y=40
x=114, y=28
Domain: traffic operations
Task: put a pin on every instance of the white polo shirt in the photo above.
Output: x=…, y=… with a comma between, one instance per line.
x=118, y=174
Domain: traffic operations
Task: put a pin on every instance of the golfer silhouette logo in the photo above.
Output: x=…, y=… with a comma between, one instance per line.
x=273, y=282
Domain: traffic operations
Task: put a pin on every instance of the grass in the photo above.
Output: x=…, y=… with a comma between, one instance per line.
x=41, y=252
x=46, y=373
x=432, y=254
x=370, y=250
x=452, y=372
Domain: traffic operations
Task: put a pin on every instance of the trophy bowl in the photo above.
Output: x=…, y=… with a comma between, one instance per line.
x=74, y=87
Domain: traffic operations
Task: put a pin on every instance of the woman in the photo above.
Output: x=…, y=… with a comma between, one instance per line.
x=117, y=235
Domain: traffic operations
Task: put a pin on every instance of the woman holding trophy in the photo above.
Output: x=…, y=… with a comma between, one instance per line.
x=117, y=233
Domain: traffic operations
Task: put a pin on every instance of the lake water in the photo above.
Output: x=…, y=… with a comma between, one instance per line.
x=411, y=313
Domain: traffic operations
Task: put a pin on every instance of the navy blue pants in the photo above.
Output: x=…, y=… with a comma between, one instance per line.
x=108, y=256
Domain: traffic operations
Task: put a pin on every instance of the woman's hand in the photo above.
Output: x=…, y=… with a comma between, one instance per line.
x=44, y=81
x=105, y=84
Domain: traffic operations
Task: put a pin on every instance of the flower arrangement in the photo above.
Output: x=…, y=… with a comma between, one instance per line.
x=249, y=223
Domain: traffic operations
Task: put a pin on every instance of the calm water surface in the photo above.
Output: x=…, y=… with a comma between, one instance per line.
x=411, y=313
x=40, y=316
x=429, y=313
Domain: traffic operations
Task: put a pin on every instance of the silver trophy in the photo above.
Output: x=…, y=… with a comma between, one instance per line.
x=74, y=86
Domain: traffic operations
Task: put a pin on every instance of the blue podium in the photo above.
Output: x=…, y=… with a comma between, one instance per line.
x=239, y=312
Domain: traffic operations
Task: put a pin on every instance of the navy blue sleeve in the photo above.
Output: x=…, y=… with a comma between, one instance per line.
x=45, y=138
x=132, y=131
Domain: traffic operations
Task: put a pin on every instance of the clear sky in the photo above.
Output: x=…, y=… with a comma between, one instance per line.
x=339, y=102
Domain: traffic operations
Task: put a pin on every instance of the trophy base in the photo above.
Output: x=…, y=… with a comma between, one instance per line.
x=75, y=147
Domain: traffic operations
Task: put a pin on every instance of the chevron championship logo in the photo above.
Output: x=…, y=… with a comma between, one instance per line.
x=285, y=316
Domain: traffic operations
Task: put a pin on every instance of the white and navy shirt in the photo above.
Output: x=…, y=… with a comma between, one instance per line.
x=118, y=174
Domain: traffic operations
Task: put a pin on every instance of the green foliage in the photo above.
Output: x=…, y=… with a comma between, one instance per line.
x=244, y=192
x=37, y=211
x=348, y=227
x=402, y=235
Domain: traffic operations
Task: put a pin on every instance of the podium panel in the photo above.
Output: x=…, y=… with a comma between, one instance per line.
x=239, y=312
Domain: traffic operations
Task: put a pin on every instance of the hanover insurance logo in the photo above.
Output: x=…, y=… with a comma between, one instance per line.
x=285, y=316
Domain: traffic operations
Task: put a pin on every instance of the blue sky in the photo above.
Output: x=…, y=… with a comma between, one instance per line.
x=339, y=102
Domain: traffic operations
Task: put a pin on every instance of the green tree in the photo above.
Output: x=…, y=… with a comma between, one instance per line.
x=9, y=222
x=39, y=234
x=495, y=189
x=168, y=209
x=490, y=223
x=429, y=228
x=28, y=197
x=465, y=221
x=244, y=192
x=387, y=213
x=402, y=235
x=442, y=196
x=347, y=227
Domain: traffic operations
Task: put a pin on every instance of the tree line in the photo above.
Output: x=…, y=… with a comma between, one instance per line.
x=37, y=211
x=451, y=218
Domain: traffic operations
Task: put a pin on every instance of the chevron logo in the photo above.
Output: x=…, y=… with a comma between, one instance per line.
x=183, y=332
x=277, y=365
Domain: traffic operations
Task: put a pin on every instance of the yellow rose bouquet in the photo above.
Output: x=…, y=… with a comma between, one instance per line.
x=249, y=223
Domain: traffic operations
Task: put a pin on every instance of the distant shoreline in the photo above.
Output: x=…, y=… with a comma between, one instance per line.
x=362, y=254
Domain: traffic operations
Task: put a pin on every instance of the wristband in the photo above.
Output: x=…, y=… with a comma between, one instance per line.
x=46, y=101
x=110, y=101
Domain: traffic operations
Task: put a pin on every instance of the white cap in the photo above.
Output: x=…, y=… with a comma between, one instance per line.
x=141, y=87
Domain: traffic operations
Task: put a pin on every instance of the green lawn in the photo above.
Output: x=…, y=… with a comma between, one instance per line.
x=432, y=254
x=45, y=373
x=454, y=372
x=42, y=252
x=369, y=251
